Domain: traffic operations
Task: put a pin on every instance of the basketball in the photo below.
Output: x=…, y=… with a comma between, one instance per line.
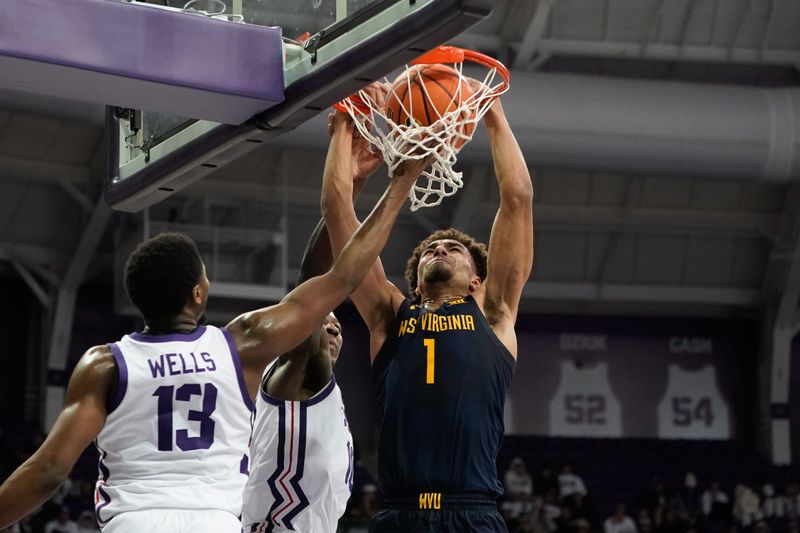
x=428, y=92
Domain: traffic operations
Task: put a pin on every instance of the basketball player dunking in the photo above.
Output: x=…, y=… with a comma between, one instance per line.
x=301, y=469
x=444, y=357
x=170, y=409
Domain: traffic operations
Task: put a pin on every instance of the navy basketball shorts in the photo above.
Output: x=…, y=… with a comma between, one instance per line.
x=439, y=513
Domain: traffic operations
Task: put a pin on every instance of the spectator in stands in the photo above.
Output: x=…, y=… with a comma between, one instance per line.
x=31, y=524
x=365, y=497
x=513, y=509
x=761, y=527
x=686, y=503
x=578, y=506
x=564, y=520
x=644, y=523
x=655, y=501
x=79, y=497
x=619, y=522
x=370, y=501
x=361, y=474
x=545, y=481
x=791, y=500
x=714, y=501
x=771, y=506
x=671, y=522
x=569, y=483
x=581, y=525
x=746, y=506
x=66, y=492
x=87, y=523
x=550, y=511
x=61, y=523
x=517, y=480
x=530, y=523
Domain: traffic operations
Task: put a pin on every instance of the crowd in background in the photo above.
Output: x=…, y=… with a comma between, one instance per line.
x=560, y=502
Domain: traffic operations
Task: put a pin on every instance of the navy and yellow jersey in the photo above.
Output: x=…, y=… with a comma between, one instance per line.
x=441, y=379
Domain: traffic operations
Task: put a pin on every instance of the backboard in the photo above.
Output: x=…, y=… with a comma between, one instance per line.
x=331, y=49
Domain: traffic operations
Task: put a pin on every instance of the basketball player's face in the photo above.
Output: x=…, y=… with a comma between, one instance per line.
x=445, y=260
x=330, y=338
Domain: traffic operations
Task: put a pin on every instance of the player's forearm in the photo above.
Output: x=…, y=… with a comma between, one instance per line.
x=28, y=488
x=318, y=256
x=336, y=202
x=512, y=173
x=337, y=183
x=364, y=246
x=340, y=194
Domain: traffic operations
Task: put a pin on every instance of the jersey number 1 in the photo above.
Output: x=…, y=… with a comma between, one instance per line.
x=165, y=412
x=430, y=348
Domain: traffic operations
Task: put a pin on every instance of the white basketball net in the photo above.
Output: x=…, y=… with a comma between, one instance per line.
x=443, y=139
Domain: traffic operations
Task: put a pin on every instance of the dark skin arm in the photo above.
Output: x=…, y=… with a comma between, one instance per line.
x=318, y=255
x=305, y=370
x=376, y=299
x=80, y=420
x=264, y=334
x=364, y=161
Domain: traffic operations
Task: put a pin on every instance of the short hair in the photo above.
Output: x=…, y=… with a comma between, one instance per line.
x=476, y=249
x=161, y=273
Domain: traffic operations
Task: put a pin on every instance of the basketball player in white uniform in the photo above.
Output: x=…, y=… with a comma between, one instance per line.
x=187, y=390
x=170, y=407
x=302, y=453
x=301, y=469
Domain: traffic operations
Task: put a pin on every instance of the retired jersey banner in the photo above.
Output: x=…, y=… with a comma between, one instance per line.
x=643, y=377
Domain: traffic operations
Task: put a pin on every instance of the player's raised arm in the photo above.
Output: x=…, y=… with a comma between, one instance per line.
x=79, y=422
x=318, y=255
x=264, y=334
x=376, y=299
x=511, y=242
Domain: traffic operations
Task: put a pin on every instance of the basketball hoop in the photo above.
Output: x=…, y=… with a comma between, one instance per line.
x=417, y=134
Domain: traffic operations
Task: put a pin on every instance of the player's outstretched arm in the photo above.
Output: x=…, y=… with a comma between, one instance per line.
x=376, y=298
x=511, y=241
x=318, y=255
x=264, y=334
x=79, y=422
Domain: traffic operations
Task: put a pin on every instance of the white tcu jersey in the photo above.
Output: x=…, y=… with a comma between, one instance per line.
x=302, y=464
x=178, y=428
x=692, y=407
x=583, y=405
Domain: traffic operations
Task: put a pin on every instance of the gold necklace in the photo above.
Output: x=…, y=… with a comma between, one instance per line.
x=428, y=304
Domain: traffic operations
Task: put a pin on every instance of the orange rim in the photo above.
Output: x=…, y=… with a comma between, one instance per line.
x=355, y=101
x=445, y=54
x=453, y=54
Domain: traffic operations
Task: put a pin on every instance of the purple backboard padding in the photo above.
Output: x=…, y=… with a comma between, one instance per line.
x=130, y=43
